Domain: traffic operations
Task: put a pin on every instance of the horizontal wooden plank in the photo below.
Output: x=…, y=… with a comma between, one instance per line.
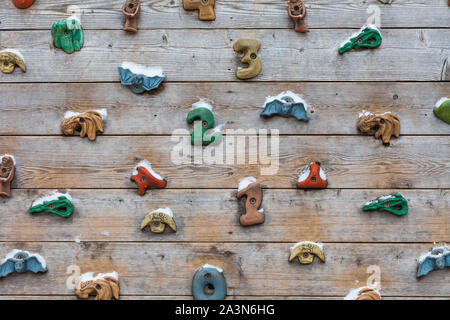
x=207, y=55
x=37, y=109
x=212, y=215
x=350, y=162
x=167, y=268
x=105, y=14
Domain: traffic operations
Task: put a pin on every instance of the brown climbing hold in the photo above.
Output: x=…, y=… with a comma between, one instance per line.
x=387, y=125
x=7, y=167
x=205, y=8
x=312, y=177
x=297, y=12
x=145, y=177
x=250, y=48
x=363, y=293
x=87, y=123
x=104, y=286
x=252, y=190
x=131, y=10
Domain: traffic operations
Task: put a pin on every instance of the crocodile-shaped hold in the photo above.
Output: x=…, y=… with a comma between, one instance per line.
x=386, y=125
x=56, y=203
x=68, y=35
x=251, y=189
x=250, y=48
x=131, y=10
x=23, y=4
x=394, y=203
x=7, y=170
x=367, y=37
x=158, y=220
x=297, y=12
x=9, y=59
x=205, y=8
x=305, y=251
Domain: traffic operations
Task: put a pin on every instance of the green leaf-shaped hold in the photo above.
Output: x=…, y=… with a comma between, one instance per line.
x=61, y=207
x=395, y=204
x=367, y=37
x=68, y=35
x=442, y=110
x=206, y=117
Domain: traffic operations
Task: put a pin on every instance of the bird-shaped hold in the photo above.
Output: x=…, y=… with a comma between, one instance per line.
x=21, y=261
x=158, y=220
x=305, y=251
x=437, y=259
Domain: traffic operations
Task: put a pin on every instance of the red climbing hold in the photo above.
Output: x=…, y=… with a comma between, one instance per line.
x=312, y=177
x=146, y=178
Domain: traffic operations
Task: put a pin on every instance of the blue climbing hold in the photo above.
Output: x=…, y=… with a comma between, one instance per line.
x=209, y=284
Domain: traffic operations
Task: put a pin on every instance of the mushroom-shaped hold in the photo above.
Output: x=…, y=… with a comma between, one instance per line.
x=9, y=59
x=158, y=220
x=305, y=251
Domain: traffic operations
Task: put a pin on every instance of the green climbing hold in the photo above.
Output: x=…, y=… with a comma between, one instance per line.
x=68, y=35
x=58, y=204
x=442, y=110
x=367, y=37
x=202, y=112
x=395, y=204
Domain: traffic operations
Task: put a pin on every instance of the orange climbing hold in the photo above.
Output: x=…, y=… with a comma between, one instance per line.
x=146, y=178
x=312, y=177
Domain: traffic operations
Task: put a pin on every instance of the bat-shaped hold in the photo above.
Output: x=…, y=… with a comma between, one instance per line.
x=104, y=286
x=386, y=124
x=442, y=109
x=205, y=8
x=363, y=293
x=437, y=259
x=158, y=220
x=209, y=283
x=251, y=189
x=202, y=114
x=23, y=4
x=250, y=48
x=56, y=203
x=68, y=35
x=140, y=78
x=145, y=177
x=297, y=12
x=131, y=10
x=367, y=37
x=21, y=261
x=9, y=59
x=286, y=104
x=7, y=170
x=312, y=177
x=305, y=251
x=394, y=203
x=88, y=123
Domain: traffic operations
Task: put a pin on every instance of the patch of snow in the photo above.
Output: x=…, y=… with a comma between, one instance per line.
x=353, y=294
x=444, y=248
x=320, y=245
x=370, y=26
x=304, y=174
x=244, y=182
x=90, y=276
x=12, y=253
x=148, y=166
x=143, y=70
x=77, y=239
x=105, y=233
x=441, y=101
x=214, y=267
x=8, y=155
x=202, y=104
x=261, y=210
x=53, y=196
x=14, y=51
x=166, y=211
x=322, y=174
x=380, y=198
x=367, y=113
x=295, y=98
x=69, y=114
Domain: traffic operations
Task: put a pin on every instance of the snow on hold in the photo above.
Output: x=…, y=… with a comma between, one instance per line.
x=166, y=211
x=390, y=196
x=244, y=182
x=295, y=97
x=12, y=253
x=53, y=196
x=422, y=257
x=14, y=51
x=367, y=113
x=89, y=276
x=140, y=69
x=214, y=267
x=202, y=104
x=8, y=155
x=148, y=166
x=353, y=294
x=69, y=114
x=370, y=26
x=441, y=101
x=320, y=245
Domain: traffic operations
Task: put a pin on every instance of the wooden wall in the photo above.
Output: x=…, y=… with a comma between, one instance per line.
x=406, y=75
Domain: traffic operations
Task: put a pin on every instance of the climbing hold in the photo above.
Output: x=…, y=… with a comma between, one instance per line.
x=297, y=12
x=442, y=109
x=388, y=124
x=363, y=293
x=9, y=59
x=394, y=203
x=250, y=49
x=386, y=1
x=249, y=188
x=202, y=115
x=312, y=177
x=286, y=104
x=131, y=10
x=23, y=4
x=68, y=34
x=140, y=78
x=158, y=219
x=145, y=177
x=305, y=251
x=437, y=259
x=205, y=8
x=209, y=283
x=7, y=169
x=21, y=261
x=87, y=123
x=104, y=286
x=56, y=203
x=367, y=37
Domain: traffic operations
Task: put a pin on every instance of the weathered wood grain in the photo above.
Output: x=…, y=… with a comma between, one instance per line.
x=405, y=54
x=167, y=268
x=350, y=162
x=212, y=215
x=37, y=109
x=106, y=14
